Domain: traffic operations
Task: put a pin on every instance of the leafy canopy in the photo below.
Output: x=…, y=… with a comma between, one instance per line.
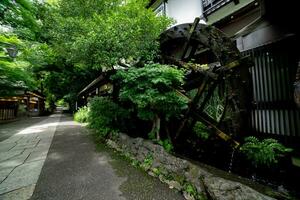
x=98, y=34
x=14, y=72
x=153, y=90
x=21, y=16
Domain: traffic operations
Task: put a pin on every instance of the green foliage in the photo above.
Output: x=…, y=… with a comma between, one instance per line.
x=192, y=191
x=152, y=90
x=61, y=102
x=12, y=40
x=263, y=153
x=21, y=15
x=71, y=42
x=167, y=144
x=40, y=56
x=105, y=115
x=98, y=34
x=151, y=135
x=201, y=130
x=82, y=115
x=15, y=73
x=147, y=163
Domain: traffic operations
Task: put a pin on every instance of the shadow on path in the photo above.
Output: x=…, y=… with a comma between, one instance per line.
x=75, y=170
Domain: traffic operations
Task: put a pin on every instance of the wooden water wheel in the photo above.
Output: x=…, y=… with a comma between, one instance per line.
x=217, y=78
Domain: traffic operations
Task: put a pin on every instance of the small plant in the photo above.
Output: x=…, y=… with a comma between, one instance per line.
x=151, y=135
x=135, y=163
x=263, y=153
x=147, y=163
x=167, y=144
x=201, y=130
x=82, y=115
x=189, y=188
x=192, y=191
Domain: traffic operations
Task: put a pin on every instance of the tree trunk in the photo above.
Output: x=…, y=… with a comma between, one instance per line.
x=156, y=127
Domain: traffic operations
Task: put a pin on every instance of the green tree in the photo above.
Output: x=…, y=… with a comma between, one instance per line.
x=154, y=92
x=19, y=27
x=97, y=34
x=83, y=39
x=14, y=72
x=21, y=15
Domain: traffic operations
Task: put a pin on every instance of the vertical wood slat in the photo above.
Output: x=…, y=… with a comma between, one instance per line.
x=272, y=79
x=7, y=114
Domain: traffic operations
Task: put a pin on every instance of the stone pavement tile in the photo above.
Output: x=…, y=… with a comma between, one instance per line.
x=6, y=146
x=37, y=154
x=22, y=157
x=15, y=161
x=28, y=145
x=22, y=176
x=10, y=154
x=12, y=139
x=19, y=194
x=4, y=172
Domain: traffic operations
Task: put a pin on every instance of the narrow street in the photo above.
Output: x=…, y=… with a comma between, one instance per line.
x=54, y=158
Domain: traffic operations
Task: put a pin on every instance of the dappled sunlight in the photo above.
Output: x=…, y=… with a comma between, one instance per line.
x=55, y=115
x=103, y=160
x=30, y=131
x=37, y=128
x=68, y=123
x=41, y=127
x=55, y=156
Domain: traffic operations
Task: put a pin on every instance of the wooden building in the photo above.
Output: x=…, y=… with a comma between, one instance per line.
x=101, y=86
x=267, y=31
x=25, y=104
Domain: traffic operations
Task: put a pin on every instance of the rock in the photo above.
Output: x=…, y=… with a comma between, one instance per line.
x=164, y=164
x=151, y=173
x=174, y=184
x=222, y=189
x=113, y=144
x=195, y=175
x=187, y=196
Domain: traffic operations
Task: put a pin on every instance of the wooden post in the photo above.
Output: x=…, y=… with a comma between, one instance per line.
x=188, y=41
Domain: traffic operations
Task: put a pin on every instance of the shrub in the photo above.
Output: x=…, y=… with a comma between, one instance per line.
x=154, y=91
x=167, y=144
x=201, y=131
x=105, y=115
x=82, y=115
x=263, y=153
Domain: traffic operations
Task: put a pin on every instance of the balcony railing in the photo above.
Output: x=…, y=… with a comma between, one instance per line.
x=210, y=6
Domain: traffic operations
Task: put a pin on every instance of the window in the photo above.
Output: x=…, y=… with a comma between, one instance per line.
x=211, y=5
x=161, y=9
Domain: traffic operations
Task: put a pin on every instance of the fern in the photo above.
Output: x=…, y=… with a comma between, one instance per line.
x=263, y=153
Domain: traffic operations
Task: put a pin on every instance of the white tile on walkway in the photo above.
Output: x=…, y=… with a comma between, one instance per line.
x=22, y=157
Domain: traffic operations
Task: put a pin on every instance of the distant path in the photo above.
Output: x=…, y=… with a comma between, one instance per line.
x=23, y=154
x=74, y=169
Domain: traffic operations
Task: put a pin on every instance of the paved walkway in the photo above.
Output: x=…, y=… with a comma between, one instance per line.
x=11, y=128
x=23, y=154
x=73, y=168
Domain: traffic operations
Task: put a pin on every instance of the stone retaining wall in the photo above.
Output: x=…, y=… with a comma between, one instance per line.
x=194, y=181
